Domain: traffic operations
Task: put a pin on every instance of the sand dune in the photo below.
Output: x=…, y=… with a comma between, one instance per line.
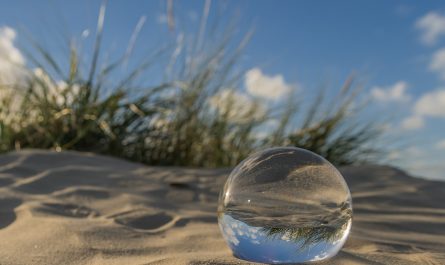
x=80, y=208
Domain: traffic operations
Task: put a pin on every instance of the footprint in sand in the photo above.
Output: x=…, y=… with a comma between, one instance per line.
x=145, y=220
x=19, y=172
x=5, y=181
x=7, y=214
x=67, y=210
x=200, y=219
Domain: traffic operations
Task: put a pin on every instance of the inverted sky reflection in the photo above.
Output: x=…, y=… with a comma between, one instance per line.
x=253, y=243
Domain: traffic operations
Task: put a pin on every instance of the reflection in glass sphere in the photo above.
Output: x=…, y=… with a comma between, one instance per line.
x=285, y=205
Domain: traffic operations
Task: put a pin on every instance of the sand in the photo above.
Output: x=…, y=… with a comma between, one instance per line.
x=80, y=208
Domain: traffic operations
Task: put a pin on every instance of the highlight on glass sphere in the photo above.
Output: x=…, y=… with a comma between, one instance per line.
x=285, y=205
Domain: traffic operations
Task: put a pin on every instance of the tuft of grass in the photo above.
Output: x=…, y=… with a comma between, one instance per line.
x=332, y=130
x=68, y=109
x=197, y=116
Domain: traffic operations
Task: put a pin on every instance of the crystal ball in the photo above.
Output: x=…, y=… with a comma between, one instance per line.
x=285, y=205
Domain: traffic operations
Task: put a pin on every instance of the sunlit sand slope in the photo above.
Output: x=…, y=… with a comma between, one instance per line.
x=80, y=208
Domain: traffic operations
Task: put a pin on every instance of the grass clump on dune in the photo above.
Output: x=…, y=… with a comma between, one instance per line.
x=197, y=116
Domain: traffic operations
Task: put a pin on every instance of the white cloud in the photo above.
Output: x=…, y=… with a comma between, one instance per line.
x=320, y=256
x=441, y=144
x=437, y=63
x=237, y=106
x=413, y=122
x=396, y=93
x=230, y=235
x=431, y=104
x=11, y=59
x=432, y=26
x=269, y=87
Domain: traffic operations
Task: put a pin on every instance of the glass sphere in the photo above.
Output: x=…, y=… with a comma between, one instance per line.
x=285, y=205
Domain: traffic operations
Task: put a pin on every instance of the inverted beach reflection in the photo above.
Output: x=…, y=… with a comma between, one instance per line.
x=284, y=244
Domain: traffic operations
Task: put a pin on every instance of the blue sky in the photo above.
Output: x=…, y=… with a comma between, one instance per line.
x=394, y=47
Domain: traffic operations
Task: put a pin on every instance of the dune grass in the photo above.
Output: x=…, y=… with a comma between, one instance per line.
x=192, y=118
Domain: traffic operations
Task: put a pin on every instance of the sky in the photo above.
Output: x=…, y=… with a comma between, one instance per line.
x=395, y=48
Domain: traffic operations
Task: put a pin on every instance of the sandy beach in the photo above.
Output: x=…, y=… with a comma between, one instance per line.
x=80, y=208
